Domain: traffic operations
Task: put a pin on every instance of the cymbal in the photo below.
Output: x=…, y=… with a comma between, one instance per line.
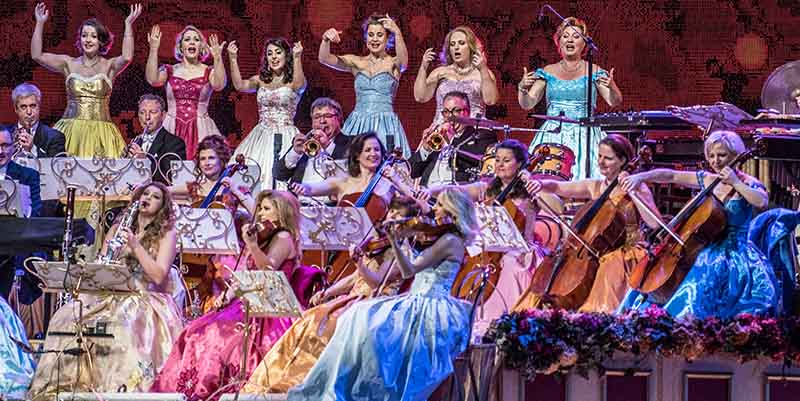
x=777, y=91
x=476, y=122
x=554, y=118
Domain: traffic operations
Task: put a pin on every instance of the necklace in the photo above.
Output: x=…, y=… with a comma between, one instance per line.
x=83, y=61
x=576, y=69
x=463, y=70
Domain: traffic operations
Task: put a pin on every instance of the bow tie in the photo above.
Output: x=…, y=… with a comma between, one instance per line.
x=148, y=136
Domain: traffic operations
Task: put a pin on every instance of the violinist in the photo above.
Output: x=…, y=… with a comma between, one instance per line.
x=208, y=351
x=288, y=362
x=729, y=276
x=609, y=285
x=384, y=343
x=514, y=271
x=213, y=154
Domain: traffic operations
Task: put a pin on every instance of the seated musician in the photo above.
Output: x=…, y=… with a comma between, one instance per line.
x=288, y=362
x=208, y=354
x=10, y=170
x=161, y=145
x=402, y=347
x=610, y=283
x=365, y=155
x=144, y=324
x=729, y=276
x=299, y=167
x=514, y=270
x=465, y=150
x=213, y=153
x=36, y=139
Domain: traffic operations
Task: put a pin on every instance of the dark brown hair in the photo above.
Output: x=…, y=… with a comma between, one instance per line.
x=521, y=156
x=216, y=143
x=621, y=146
x=265, y=73
x=356, y=147
x=104, y=36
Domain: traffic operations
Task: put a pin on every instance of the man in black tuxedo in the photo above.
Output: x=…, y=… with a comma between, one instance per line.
x=155, y=140
x=33, y=136
x=326, y=124
x=25, y=176
x=466, y=148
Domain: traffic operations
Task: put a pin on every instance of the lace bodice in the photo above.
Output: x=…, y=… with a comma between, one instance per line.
x=375, y=94
x=277, y=106
x=472, y=87
x=188, y=98
x=436, y=281
x=568, y=96
x=87, y=97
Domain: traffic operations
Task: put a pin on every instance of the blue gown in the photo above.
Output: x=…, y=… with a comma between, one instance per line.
x=393, y=348
x=374, y=111
x=16, y=366
x=729, y=277
x=570, y=97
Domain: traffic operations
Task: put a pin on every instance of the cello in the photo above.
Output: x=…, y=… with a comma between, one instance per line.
x=701, y=221
x=565, y=278
x=376, y=207
x=468, y=278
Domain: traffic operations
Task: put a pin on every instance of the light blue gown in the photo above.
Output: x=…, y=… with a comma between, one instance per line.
x=16, y=366
x=374, y=111
x=393, y=348
x=570, y=97
x=729, y=277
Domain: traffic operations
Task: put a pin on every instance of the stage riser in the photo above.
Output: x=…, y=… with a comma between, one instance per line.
x=663, y=379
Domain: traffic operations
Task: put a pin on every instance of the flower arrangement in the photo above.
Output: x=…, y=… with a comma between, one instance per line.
x=550, y=340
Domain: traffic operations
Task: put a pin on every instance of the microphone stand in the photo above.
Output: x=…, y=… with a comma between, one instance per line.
x=591, y=48
x=276, y=156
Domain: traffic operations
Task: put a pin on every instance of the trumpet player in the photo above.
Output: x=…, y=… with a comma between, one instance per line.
x=449, y=150
x=300, y=163
x=155, y=141
x=32, y=138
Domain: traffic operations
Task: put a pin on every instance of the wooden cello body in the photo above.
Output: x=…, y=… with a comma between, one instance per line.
x=702, y=221
x=565, y=278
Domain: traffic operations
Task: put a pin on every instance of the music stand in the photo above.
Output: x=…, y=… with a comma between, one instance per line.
x=90, y=278
x=264, y=293
x=183, y=171
x=205, y=232
x=15, y=199
x=328, y=228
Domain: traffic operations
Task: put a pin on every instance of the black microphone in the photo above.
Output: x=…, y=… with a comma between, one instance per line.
x=560, y=123
x=541, y=14
x=276, y=156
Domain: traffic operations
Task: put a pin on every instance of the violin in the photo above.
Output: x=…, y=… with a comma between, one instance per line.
x=700, y=222
x=374, y=246
x=376, y=207
x=430, y=227
x=262, y=230
x=208, y=201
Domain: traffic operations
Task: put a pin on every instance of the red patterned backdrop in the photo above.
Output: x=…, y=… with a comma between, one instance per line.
x=681, y=52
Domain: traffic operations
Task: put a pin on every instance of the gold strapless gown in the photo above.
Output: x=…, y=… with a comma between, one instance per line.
x=86, y=123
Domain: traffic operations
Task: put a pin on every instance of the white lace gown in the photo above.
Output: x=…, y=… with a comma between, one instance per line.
x=276, y=110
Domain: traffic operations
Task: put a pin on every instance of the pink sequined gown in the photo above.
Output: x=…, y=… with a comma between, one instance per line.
x=187, y=109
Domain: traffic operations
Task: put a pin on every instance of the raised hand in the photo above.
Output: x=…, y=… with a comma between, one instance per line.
x=428, y=57
x=528, y=78
x=41, y=13
x=136, y=11
x=297, y=49
x=154, y=36
x=215, y=47
x=332, y=35
x=606, y=81
x=233, y=50
x=479, y=60
x=389, y=24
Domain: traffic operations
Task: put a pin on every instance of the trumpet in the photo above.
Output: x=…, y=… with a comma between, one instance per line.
x=438, y=138
x=311, y=147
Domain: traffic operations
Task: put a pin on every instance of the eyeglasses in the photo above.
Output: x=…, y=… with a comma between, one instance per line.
x=323, y=116
x=452, y=112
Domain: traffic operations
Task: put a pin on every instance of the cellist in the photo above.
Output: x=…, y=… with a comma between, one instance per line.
x=514, y=272
x=729, y=276
x=615, y=152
